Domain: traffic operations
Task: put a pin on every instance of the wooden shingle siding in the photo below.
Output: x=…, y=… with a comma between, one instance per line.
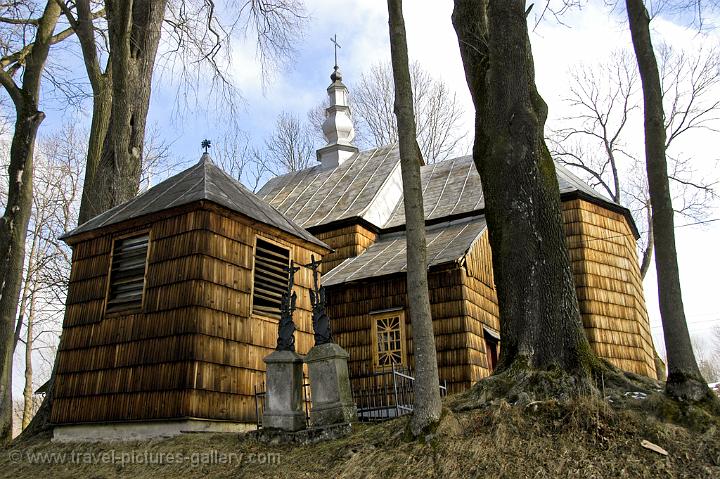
x=609, y=286
x=349, y=307
x=348, y=241
x=481, y=306
x=194, y=350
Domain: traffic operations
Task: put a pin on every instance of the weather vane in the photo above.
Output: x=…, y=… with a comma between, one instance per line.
x=337, y=45
x=205, y=144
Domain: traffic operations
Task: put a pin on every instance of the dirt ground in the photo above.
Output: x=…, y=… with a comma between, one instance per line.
x=543, y=440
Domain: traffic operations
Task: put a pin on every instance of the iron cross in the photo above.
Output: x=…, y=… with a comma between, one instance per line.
x=337, y=45
x=205, y=144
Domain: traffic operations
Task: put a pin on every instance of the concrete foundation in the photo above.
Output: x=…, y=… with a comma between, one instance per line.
x=332, y=401
x=138, y=431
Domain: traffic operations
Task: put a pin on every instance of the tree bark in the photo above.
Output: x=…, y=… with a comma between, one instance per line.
x=28, y=389
x=684, y=379
x=427, y=407
x=648, y=253
x=14, y=222
x=134, y=33
x=540, y=322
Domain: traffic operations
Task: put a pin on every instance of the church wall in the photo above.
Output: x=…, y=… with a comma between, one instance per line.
x=481, y=302
x=609, y=286
x=195, y=350
x=349, y=308
x=348, y=241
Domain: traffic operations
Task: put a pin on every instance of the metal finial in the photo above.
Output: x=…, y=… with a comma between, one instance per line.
x=205, y=144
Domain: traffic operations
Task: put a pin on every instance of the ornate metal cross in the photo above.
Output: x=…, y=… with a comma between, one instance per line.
x=286, y=326
x=337, y=45
x=205, y=144
x=321, y=321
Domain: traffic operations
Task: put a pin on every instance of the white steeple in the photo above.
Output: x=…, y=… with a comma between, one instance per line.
x=338, y=126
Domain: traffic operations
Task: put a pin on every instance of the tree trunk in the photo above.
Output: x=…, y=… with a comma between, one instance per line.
x=427, y=408
x=648, y=253
x=14, y=223
x=684, y=379
x=540, y=322
x=90, y=204
x=134, y=33
x=28, y=389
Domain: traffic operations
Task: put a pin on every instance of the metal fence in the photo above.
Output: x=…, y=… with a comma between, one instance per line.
x=261, y=393
x=378, y=395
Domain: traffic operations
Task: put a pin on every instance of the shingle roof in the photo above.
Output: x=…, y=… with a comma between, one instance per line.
x=317, y=196
x=203, y=181
x=446, y=242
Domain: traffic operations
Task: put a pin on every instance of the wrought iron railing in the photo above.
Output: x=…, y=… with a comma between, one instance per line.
x=386, y=394
x=378, y=395
x=261, y=393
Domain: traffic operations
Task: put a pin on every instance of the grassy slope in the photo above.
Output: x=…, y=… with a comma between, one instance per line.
x=587, y=439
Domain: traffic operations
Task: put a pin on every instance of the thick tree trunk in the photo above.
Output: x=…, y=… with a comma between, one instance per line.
x=134, y=33
x=540, y=320
x=14, y=222
x=427, y=408
x=684, y=379
x=92, y=199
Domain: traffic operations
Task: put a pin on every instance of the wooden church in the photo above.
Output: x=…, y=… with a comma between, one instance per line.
x=174, y=296
x=353, y=201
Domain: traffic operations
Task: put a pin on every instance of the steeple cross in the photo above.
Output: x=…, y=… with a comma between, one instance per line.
x=337, y=45
x=205, y=144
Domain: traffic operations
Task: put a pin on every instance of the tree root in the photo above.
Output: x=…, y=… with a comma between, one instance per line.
x=529, y=390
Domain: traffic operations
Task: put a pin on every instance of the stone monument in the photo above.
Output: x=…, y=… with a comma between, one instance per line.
x=332, y=401
x=283, y=396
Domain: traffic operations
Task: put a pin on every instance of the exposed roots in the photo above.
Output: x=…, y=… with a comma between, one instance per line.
x=527, y=390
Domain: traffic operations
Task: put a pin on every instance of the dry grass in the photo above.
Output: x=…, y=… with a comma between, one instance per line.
x=584, y=438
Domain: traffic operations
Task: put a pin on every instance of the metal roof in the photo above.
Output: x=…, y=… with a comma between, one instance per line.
x=446, y=242
x=203, y=181
x=318, y=196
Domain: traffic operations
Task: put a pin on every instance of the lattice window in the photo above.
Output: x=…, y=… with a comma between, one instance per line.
x=127, y=275
x=270, y=278
x=389, y=339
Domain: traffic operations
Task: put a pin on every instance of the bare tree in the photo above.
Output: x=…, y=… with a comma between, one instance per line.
x=438, y=113
x=707, y=350
x=25, y=59
x=427, y=407
x=684, y=379
x=596, y=139
x=235, y=154
x=55, y=202
x=539, y=312
x=290, y=147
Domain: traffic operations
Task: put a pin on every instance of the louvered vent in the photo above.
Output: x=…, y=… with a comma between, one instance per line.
x=127, y=277
x=270, y=278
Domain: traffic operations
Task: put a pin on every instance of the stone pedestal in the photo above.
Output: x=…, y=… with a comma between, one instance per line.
x=332, y=401
x=283, y=394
